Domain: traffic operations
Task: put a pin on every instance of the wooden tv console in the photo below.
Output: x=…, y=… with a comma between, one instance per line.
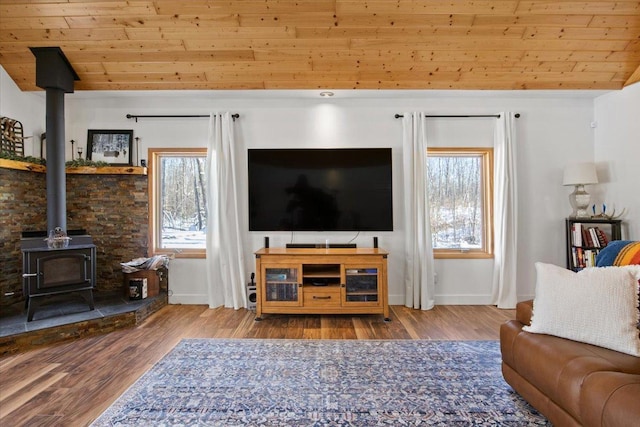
x=321, y=281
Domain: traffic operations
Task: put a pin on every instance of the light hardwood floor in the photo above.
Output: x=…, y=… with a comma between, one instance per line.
x=71, y=384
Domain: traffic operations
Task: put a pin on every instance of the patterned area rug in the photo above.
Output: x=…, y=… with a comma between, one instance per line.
x=210, y=382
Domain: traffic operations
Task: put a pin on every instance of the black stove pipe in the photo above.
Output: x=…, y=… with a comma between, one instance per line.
x=55, y=74
x=56, y=177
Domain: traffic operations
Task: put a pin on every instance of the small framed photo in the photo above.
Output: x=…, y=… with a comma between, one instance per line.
x=111, y=146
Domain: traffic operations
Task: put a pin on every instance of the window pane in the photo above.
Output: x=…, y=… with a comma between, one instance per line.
x=183, y=202
x=455, y=201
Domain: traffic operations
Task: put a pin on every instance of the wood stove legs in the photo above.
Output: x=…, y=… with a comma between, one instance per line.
x=87, y=295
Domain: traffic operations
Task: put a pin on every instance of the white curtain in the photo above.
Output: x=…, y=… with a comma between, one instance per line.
x=225, y=259
x=418, y=255
x=505, y=219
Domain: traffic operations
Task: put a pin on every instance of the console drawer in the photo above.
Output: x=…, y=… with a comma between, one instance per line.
x=322, y=296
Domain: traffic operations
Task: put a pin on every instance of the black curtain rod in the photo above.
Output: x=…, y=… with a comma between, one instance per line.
x=497, y=116
x=136, y=117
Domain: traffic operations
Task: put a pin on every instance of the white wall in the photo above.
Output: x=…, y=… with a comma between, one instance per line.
x=554, y=129
x=617, y=154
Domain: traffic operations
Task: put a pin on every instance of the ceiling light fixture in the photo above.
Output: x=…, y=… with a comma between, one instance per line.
x=326, y=94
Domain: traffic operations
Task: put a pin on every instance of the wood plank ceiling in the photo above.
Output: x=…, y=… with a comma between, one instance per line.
x=328, y=44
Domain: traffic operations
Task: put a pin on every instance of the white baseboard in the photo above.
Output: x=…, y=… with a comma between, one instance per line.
x=199, y=299
x=471, y=299
x=463, y=299
x=188, y=299
x=448, y=300
x=396, y=299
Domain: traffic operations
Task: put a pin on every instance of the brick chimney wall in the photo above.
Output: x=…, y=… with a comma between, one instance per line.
x=22, y=207
x=112, y=208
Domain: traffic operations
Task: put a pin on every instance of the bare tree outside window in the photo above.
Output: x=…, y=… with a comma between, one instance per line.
x=180, y=201
x=459, y=200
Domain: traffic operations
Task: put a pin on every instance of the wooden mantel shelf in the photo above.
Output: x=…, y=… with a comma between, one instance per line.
x=23, y=166
x=108, y=170
x=86, y=170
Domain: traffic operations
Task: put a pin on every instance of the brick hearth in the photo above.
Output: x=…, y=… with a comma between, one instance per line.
x=67, y=317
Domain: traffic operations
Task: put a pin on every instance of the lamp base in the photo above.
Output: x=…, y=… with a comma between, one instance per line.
x=579, y=200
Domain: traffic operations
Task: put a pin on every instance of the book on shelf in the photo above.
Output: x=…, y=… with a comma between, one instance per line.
x=590, y=237
x=602, y=238
x=586, y=237
x=576, y=234
x=583, y=258
x=595, y=243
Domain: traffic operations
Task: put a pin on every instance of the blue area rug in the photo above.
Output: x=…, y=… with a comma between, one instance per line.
x=211, y=382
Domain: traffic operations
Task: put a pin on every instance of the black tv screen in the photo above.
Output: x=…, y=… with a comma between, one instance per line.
x=340, y=189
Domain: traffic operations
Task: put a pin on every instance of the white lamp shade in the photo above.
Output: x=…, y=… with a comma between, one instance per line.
x=580, y=173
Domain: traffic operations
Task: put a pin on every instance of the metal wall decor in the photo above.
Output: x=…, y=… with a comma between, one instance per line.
x=12, y=140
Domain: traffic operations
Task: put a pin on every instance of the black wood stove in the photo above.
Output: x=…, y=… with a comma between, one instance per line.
x=52, y=271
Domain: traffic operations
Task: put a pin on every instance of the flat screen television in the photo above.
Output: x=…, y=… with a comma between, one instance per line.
x=337, y=189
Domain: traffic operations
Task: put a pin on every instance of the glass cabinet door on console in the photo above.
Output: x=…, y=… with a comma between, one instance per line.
x=281, y=286
x=362, y=285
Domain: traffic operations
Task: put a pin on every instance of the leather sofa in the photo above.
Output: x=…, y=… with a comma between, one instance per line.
x=569, y=382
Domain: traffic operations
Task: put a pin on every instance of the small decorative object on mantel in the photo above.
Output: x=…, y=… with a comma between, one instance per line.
x=137, y=138
x=603, y=214
x=57, y=239
x=43, y=143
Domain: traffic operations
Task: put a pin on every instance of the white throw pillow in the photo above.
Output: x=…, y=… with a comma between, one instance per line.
x=596, y=305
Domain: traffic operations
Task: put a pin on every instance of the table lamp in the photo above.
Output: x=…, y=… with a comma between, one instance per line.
x=580, y=174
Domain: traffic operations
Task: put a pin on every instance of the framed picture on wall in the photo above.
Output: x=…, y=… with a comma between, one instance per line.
x=111, y=146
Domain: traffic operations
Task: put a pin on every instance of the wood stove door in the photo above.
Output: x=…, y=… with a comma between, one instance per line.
x=69, y=269
x=49, y=272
